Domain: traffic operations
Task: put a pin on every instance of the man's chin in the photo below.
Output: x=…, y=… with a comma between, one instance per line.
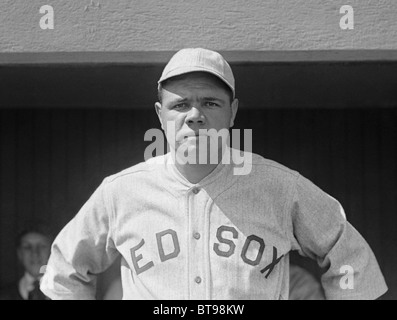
x=192, y=154
x=34, y=274
x=186, y=149
x=34, y=270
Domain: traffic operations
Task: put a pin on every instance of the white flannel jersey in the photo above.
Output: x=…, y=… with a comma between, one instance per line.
x=226, y=237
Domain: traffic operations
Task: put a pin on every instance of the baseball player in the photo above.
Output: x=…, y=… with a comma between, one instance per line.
x=189, y=230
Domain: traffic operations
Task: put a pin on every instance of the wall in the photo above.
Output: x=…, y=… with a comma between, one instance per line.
x=152, y=25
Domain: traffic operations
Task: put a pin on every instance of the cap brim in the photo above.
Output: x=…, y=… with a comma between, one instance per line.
x=184, y=70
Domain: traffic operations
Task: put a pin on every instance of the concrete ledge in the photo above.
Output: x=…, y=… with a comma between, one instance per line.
x=161, y=57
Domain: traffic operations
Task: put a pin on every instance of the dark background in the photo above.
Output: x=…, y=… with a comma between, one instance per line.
x=63, y=128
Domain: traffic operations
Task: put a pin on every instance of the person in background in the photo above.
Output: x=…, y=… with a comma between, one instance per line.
x=33, y=250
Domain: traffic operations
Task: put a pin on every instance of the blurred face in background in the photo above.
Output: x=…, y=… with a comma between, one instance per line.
x=33, y=252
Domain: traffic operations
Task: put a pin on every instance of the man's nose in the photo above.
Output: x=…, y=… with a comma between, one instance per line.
x=195, y=116
x=36, y=251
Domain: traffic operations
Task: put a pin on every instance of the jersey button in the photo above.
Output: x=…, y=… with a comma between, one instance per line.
x=198, y=280
x=196, y=190
x=196, y=235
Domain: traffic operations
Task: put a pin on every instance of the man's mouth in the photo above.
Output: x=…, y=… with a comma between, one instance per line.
x=193, y=136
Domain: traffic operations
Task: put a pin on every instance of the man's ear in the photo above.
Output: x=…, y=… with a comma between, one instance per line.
x=157, y=106
x=234, y=107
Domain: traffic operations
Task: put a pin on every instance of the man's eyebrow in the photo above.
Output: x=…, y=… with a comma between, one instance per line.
x=213, y=99
x=178, y=100
x=206, y=98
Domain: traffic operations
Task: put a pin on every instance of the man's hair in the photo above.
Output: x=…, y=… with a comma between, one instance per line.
x=218, y=81
x=39, y=228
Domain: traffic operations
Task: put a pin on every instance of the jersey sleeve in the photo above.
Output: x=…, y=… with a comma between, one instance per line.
x=83, y=249
x=320, y=231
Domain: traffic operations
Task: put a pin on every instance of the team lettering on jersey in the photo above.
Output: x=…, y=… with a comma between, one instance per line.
x=139, y=268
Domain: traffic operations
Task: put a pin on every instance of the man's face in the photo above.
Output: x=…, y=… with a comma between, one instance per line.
x=34, y=252
x=197, y=101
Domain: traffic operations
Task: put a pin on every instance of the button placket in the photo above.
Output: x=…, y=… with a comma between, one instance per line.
x=197, y=203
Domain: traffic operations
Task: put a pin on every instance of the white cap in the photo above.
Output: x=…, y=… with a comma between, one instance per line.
x=198, y=59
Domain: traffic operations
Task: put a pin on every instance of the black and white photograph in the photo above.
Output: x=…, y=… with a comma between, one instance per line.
x=175, y=150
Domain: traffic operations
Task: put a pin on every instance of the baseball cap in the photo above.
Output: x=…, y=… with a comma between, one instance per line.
x=198, y=59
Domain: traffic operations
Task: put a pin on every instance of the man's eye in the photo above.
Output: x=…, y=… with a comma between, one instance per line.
x=180, y=106
x=211, y=104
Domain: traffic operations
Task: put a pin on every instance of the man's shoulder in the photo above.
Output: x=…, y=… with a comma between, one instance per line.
x=262, y=164
x=141, y=169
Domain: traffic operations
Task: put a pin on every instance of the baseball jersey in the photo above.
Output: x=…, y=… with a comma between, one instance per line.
x=226, y=237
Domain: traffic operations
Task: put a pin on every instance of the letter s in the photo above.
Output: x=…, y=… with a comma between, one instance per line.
x=230, y=243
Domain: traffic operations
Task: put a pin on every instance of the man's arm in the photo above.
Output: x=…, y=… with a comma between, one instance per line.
x=82, y=250
x=321, y=232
